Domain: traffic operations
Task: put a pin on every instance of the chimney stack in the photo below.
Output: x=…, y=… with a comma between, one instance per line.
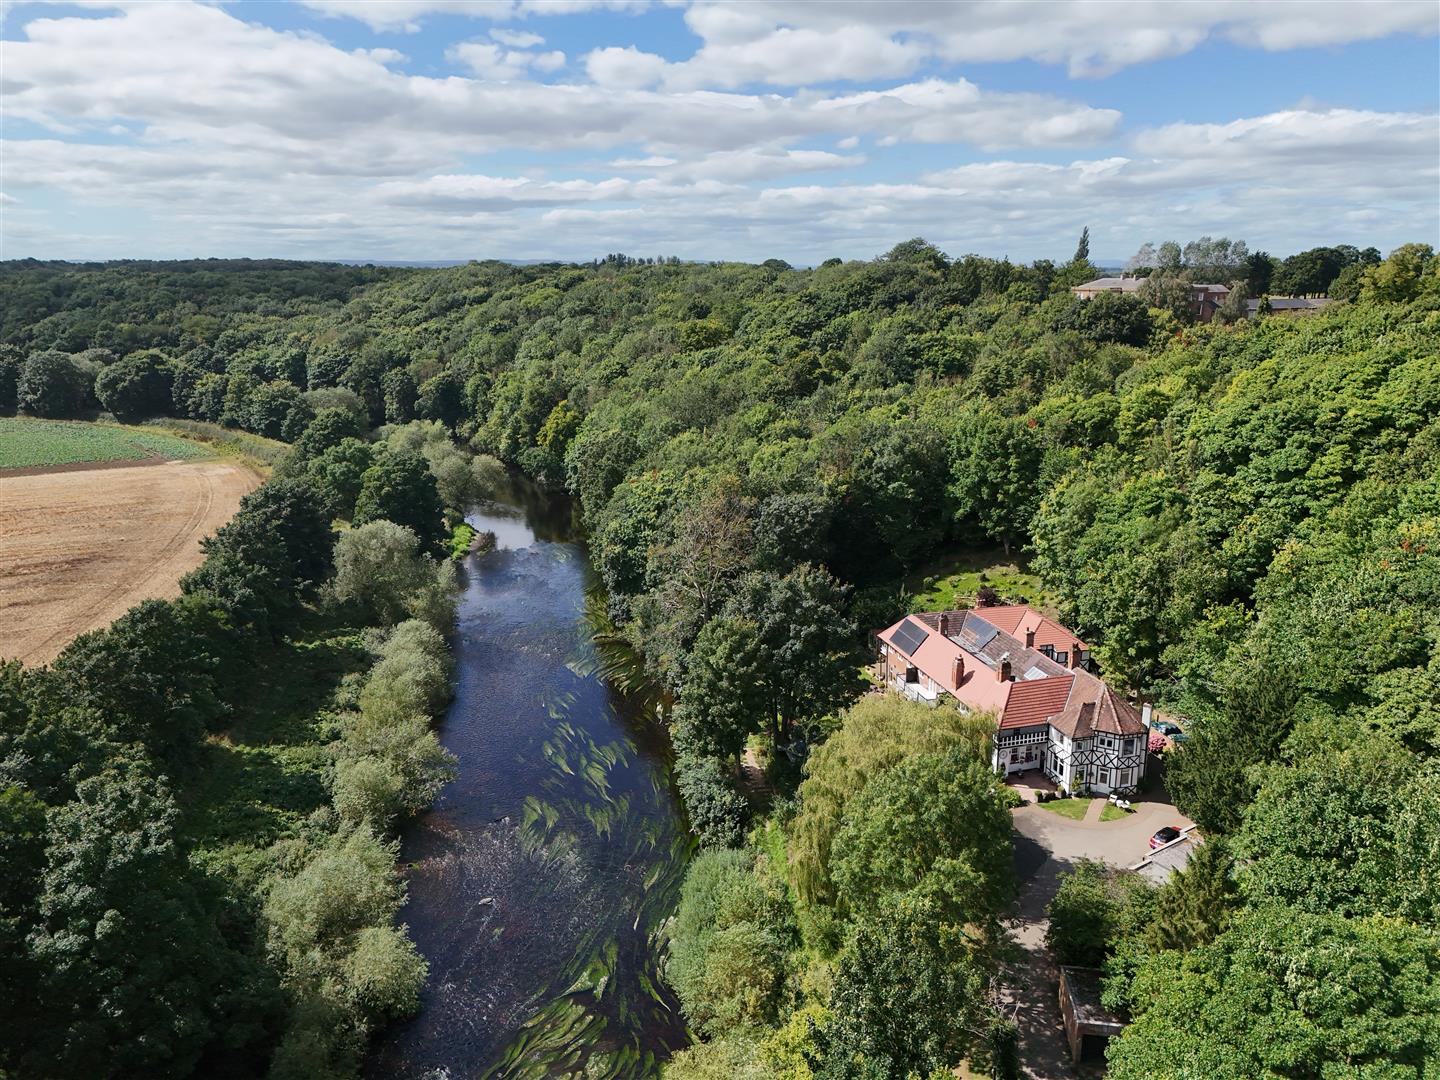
x=1145, y=714
x=944, y=624
x=1029, y=639
x=957, y=671
x=1074, y=654
x=1004, y=669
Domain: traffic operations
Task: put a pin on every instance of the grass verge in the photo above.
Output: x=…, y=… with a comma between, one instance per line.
x=254, y=451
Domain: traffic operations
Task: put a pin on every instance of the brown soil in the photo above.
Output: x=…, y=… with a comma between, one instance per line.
x=79, y=548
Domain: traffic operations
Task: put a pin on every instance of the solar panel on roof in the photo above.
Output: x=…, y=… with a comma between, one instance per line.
x=909, y=637
x=977, y=634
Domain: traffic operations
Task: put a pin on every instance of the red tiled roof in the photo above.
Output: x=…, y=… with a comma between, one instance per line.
x=1099, y=709
x=1003, y=616
x=1076, y=702
x=1018, y=619
x=1032, y=702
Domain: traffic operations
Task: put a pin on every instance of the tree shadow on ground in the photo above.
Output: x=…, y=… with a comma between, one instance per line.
x=1031, y=980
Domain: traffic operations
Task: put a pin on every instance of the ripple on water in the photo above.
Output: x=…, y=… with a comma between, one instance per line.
x=540, y=882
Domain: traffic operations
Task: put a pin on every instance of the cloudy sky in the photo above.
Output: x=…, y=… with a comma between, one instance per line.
x=447, y=129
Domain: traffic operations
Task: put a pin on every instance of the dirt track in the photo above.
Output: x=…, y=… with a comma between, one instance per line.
x=78, y=548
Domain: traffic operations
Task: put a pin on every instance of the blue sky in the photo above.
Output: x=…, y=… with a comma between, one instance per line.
x=444, y=129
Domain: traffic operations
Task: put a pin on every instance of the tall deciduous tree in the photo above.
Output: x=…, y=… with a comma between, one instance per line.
x=1321, y=836
x=908, y=996
x=723, y=700
x=130, y=959
x=1284, y=994
x=806, y=646
x=54, y=384
x=875, y=734
x=1197, y=902
x=136, y=387
x=151, y=675
x=379, y=569
x=925, y=810
x=399, y=487
x=277, y=549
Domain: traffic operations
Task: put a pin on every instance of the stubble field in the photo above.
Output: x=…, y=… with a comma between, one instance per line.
x=79, y=545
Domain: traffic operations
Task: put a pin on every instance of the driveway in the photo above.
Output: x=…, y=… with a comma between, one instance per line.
x=1120, y=843
x=1047, y=845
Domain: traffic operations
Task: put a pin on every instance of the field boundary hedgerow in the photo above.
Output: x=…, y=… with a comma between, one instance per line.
x=256, y=452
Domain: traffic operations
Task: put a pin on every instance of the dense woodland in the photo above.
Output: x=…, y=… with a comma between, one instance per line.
x=1244, y=516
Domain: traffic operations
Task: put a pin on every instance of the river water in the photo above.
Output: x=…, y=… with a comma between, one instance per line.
x=540, y=879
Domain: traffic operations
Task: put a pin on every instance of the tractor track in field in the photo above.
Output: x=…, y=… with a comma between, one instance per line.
x=79, y=547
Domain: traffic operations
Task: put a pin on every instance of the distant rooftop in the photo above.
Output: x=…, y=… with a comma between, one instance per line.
x=1291, y=303
x=1127, y=284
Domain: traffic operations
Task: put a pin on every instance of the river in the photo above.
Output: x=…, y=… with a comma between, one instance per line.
x=539, y=880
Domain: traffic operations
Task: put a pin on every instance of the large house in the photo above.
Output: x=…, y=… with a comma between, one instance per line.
x=1205, y=299
x=1056, y=714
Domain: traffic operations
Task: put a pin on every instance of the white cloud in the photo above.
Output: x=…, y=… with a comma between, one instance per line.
x=205, y=134
x=626, y=68
x=496, y=62
x=801, y=42
x=1091, y=37
x=936, y=111
x=517, y=39
x=787, y=56
x=1336, y=137
x=406, y=15
x=487, y=60
x=383, y=56
x=654, y=161
x=738, y=166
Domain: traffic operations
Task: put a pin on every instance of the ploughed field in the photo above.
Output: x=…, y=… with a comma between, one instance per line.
x=83, y=539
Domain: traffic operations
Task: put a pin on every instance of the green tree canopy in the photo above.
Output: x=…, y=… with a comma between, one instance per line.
x=1283, y=994
x=400, y=488
x=944, y=806
x=54, y=384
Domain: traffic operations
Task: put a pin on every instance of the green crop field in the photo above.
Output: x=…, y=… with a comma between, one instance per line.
x=33, y=443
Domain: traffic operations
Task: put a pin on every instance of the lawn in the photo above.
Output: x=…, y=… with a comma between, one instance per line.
x=28, y=443
x=1075, y=809
x=1071, y=808
x=952, y=580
